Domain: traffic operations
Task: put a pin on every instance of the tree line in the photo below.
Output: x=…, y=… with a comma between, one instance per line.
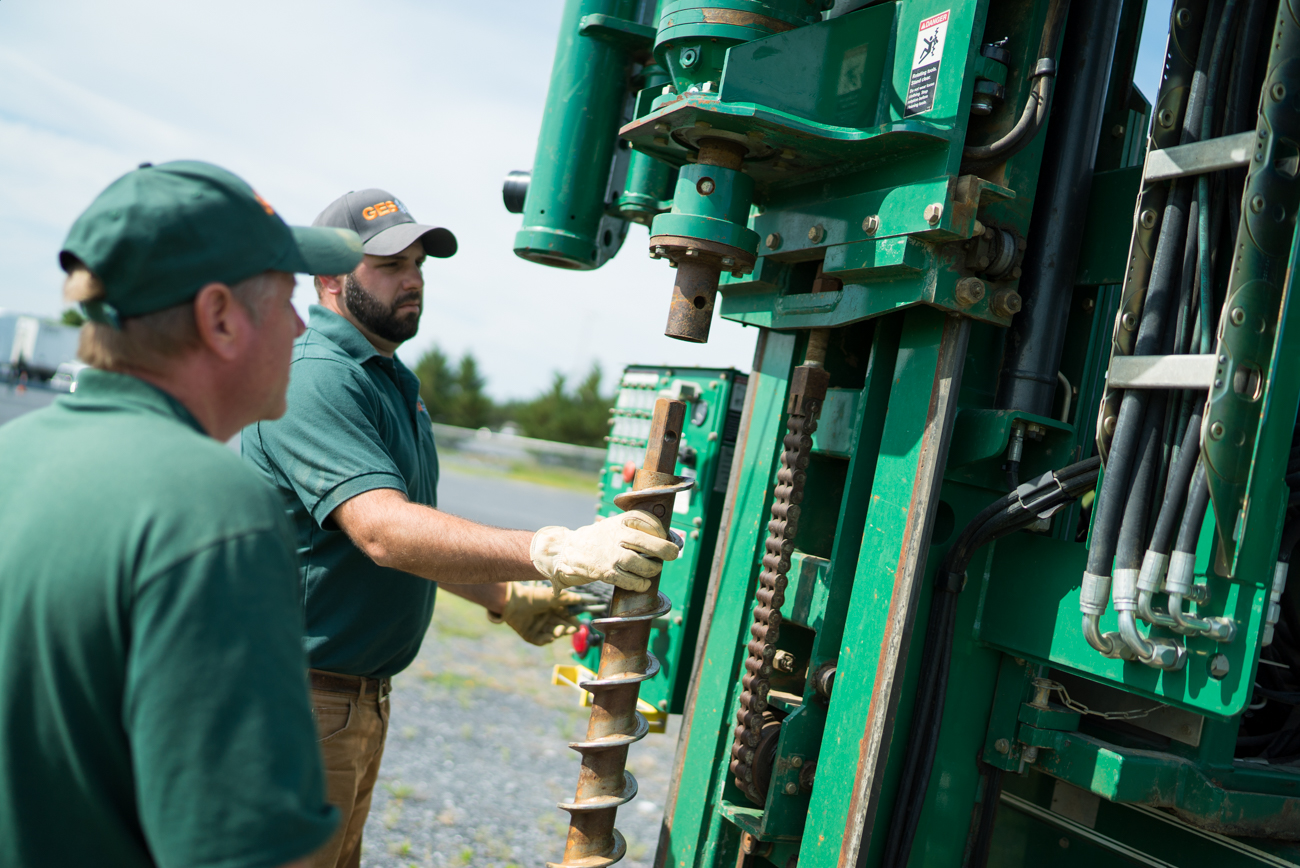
x=454, y=393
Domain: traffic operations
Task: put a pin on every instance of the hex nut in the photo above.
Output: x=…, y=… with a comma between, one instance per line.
x=1005, y=303
x=1165, y=118
x=783, y=661
x=871, y=224
x=773, y=240
x=933, y=213
x=817, y=234
x=1219, y=666
x=969, y=290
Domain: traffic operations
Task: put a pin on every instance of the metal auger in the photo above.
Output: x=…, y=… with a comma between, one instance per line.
x=625, y=661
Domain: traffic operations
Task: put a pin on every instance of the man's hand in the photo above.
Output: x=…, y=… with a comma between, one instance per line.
x=626, y=550
x=534, y=612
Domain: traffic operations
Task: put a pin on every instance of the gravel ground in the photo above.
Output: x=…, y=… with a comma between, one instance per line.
x=477, y=757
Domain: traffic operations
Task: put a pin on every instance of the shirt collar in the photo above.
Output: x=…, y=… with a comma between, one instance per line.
x=342, y=333
x=98, y=389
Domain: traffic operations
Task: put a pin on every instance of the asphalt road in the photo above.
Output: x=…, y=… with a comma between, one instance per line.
x=14, y=403
x=490, y=499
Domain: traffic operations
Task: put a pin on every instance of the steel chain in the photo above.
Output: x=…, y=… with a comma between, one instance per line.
x=1079, y=708
x=772, y=582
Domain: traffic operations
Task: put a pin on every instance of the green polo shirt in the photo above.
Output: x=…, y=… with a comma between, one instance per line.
x=153, y=697
x=355, y=423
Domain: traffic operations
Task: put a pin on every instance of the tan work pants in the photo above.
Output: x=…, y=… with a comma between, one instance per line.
x=351, y=728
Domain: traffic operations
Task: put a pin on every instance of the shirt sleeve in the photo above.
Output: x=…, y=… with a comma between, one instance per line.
x=217, y=711
x=328, y=447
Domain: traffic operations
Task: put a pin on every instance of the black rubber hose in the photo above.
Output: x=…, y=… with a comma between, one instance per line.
x=1004, y=516
x=979, y=857
x=1198, y=499
x=1131, y=545
x=1176, y=491
x=1036, y=104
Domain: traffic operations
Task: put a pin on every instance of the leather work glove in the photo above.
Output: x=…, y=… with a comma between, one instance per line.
x=534, y=612
x=626, y=550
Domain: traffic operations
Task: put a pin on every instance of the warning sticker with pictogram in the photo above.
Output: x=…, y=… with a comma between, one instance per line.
x=925, y=65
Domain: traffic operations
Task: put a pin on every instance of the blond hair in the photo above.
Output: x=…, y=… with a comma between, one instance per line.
x=149, y=342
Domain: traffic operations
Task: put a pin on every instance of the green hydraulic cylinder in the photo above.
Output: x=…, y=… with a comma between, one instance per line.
x=565, y=219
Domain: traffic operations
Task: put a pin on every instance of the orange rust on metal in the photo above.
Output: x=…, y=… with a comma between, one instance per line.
x=625, y=661
x=722, y=152
x=745, y=19
x=892, y=661
x=690, y=313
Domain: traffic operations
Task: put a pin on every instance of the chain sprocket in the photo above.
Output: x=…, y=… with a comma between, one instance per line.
x=807, y=392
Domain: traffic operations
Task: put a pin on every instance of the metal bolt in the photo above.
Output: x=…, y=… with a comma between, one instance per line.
x=1109, y=425
x=661, y=141
x=1219, y=666
x=695, y=534
x=791, y=788
x=703, y=125
x=663, y=705
x=1278, y=92
x=816, y=234
x=1238, y=316
x=1117, y=130
x=1216, y=430
x=871, y=224
x=1165, y=118
x=705, y=186
x=1065, y=843
x=691, y=251
x=934, y=213
x=658, y=510
x=661, y=127
x=689, y=56
x=1088, y=305
x=697, y=521
x=707, y=87
x=656, y=253
x=1002, y=746
x=783, y=661
x=1257, y=203
x=969, y=290
x=796, y=761
x=1129, y=321
x=1005, y=303
x=728, y=261
x=668, y=89
x=977, y=229
x=1148, y=218
x=773, y=240
x=1183, y=17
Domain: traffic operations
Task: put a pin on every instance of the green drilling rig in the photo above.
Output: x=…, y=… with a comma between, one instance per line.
x=997, y=556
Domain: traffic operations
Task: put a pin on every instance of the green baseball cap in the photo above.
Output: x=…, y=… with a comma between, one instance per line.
x=161, y=233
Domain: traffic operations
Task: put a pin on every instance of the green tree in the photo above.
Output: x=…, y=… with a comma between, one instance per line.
x=580, y=416
x=72, y=317
x=435, y=384
x=470, y=406
x=454, y=397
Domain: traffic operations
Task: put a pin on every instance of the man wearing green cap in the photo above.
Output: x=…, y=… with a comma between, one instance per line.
x=355, y=459
x=153, y=698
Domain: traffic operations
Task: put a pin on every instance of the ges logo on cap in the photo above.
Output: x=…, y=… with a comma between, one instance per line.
x=379, y=209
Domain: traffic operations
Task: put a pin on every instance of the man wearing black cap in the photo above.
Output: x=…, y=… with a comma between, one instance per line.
x=356, y=461
x=153, y=698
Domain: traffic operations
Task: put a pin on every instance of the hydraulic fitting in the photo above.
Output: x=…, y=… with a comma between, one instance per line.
x=1275, y=601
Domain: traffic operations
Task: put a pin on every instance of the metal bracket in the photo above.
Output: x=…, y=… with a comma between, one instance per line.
x=1162, y=372
x=1199, y=158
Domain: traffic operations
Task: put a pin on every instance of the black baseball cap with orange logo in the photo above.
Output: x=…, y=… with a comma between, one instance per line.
x=384, y=224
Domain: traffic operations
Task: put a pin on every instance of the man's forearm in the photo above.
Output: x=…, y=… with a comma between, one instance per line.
x=435, y=545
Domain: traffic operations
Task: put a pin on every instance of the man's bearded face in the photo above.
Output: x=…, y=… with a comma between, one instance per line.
x=382, y=319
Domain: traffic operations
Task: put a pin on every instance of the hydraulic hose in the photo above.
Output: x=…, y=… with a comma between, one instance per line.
x=1156, y=560
x=1182, y=564
x=1010, y=513
x=1217, y=57
x=1036, y=104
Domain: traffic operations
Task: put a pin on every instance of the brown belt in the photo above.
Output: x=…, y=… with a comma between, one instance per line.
x=357, y=685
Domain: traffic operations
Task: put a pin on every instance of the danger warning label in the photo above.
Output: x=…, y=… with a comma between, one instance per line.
x=925, y=65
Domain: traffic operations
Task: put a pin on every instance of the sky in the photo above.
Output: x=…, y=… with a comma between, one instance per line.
x=431, y=100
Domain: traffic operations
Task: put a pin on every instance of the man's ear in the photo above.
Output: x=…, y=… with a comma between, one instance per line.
x=222, y=322
x=329, y=284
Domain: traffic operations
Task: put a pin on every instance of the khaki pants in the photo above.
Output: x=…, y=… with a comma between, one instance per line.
x=351, y=728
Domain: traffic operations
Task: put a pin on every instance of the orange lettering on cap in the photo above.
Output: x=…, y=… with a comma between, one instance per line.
x=379, y=209
x=266, y=206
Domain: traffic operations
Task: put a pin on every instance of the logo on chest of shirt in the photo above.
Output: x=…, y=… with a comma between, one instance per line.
x=419, y=405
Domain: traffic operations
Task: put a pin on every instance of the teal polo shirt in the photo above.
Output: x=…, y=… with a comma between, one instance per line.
x=355, y=423
x=153, y=698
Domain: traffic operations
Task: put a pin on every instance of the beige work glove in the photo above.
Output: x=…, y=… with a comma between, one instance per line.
x=626, y=550
x=537, y=614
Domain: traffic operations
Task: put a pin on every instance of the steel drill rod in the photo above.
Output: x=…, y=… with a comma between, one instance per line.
x=625, y=661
